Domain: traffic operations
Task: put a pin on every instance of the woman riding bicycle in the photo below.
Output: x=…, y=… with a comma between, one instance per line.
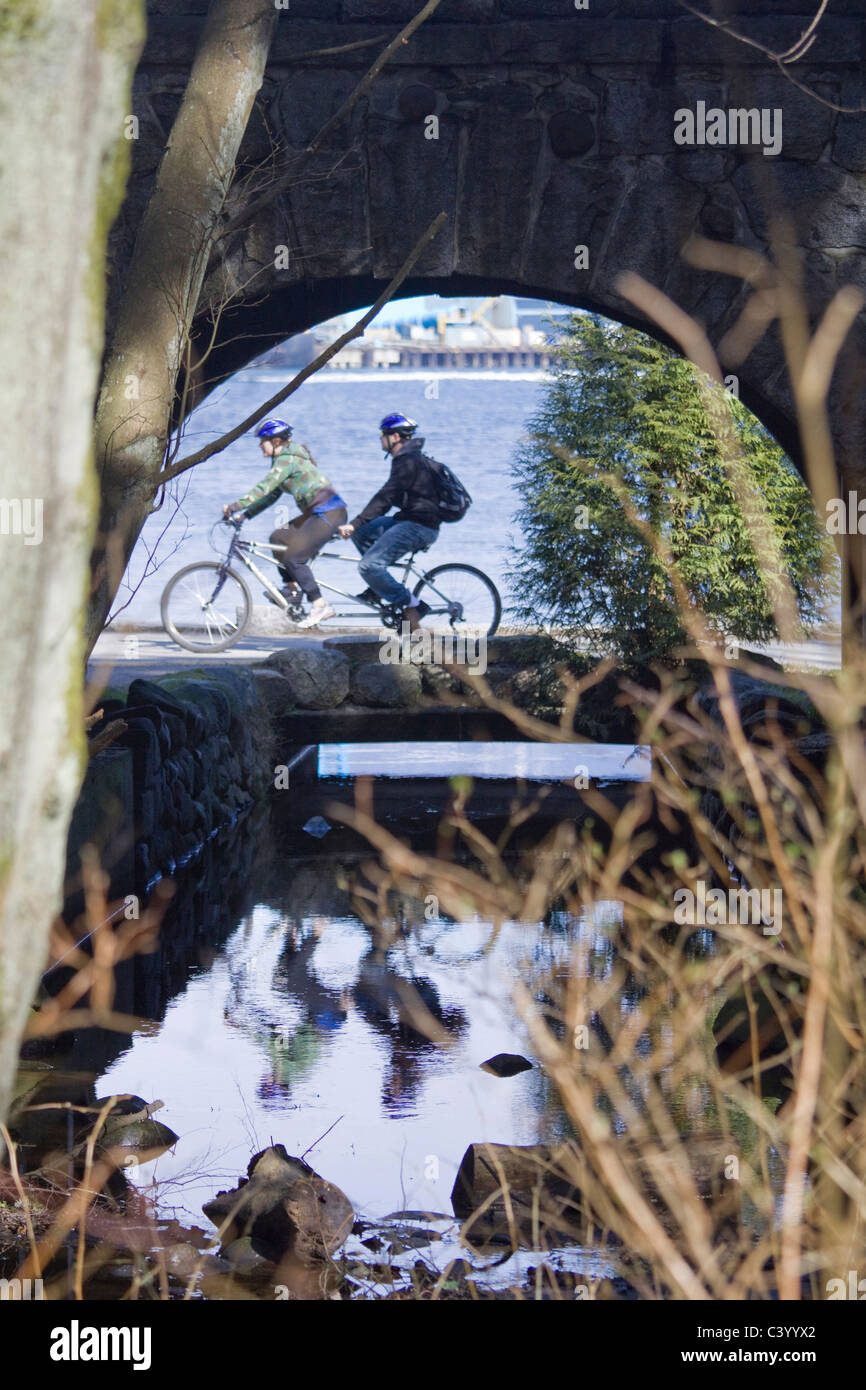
x=322, y=511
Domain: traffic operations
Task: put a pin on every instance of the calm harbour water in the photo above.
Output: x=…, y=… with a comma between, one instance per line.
x=471, y=420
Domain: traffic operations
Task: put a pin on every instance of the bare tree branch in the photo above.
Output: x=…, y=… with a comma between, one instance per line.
x=341, y=48
x=331, y=351
x=781, y=60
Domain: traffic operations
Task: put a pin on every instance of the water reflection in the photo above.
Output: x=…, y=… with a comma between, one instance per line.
x=309, y=1019
x=405, y=1011
x=278, y=998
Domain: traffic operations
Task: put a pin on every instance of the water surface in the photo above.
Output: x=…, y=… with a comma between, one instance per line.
x=296, y=1027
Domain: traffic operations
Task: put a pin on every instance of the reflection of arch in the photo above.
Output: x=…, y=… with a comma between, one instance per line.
x=248, y=329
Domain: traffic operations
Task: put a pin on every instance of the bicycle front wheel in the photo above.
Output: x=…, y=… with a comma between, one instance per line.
x=205, y=607
x=461, y=599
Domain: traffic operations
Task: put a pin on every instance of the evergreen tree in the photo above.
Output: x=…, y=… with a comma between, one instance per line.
x=621, y=404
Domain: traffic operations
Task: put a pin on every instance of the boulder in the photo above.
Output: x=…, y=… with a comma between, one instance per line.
x=374, y=683
x=142, y=735
x=317, y=678
x=284, y=1207
x=761, y=702
x=501, y=681
x=357, y=647
x=274, y=691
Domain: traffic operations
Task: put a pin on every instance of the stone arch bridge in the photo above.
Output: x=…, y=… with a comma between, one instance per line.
x=555, y=129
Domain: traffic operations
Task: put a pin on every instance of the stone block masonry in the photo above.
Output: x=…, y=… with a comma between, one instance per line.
x=555, y=130
x=196, y=753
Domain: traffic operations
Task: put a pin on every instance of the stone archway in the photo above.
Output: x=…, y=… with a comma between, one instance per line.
x=539, y=129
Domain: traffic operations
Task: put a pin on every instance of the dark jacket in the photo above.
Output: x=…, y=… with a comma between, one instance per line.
x=411, y=487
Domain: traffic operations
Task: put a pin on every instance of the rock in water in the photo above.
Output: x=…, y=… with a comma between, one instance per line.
x=285, y=1207
x=514, y=1186
x=141, y=1139
x=129, y=1126
x=318, y=826
x=506, y=1064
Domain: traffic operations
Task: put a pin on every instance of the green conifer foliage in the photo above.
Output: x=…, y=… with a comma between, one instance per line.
x=619, y=403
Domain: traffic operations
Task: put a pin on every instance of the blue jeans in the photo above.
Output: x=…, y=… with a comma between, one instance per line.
x=382, y=541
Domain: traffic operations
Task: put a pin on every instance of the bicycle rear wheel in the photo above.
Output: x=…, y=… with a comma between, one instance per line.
x=461, y=599
x=205, y=608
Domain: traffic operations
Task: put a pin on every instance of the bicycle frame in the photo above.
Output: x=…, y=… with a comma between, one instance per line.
x=243, y=551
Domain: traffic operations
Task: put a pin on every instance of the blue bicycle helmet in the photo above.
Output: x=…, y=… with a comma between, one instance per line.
x=272, y=427
x=398, y=424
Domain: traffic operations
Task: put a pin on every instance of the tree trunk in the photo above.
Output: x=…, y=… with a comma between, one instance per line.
x=169, y=262
x=65, y=74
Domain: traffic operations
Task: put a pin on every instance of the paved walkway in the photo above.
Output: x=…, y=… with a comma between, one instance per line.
x=120, y=657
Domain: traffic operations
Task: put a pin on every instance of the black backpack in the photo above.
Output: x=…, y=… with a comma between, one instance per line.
x=453, y=501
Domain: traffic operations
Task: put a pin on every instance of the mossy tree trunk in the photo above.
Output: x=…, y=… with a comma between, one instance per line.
x=171, y=253
x=65, y=75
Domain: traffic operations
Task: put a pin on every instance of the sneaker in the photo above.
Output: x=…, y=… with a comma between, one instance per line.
x=318, y=613
x=368, y=596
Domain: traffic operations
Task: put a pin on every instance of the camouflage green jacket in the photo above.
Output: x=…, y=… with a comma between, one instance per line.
x=294, y=471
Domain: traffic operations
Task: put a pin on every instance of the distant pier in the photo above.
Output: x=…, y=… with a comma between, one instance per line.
x=430, y=358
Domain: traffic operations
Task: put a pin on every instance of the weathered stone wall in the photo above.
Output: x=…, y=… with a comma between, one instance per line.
x=555, y=130
x=201, y=754
x=353, y=689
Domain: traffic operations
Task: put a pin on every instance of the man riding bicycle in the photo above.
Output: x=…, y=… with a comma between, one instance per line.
x=322, y=511
x=382, y=539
